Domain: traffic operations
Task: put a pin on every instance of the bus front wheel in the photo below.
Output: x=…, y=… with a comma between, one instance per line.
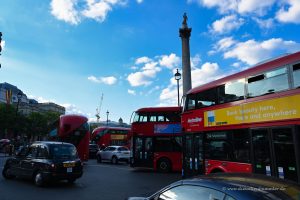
x=164, y=165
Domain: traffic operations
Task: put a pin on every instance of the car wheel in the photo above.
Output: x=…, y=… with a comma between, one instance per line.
x=71, y=180
x=99, y=159
x=6, y=173
x=38, y=179
x=164, y=165
x=114, y=160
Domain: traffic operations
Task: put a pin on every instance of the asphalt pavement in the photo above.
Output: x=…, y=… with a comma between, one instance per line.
x=100, y=182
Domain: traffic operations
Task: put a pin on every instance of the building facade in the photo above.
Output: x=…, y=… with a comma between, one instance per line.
x=9, y=94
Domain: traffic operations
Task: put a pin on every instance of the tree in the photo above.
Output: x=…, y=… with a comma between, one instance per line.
x=7, y=119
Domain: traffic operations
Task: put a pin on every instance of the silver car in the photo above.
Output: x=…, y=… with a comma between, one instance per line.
x=114, y=154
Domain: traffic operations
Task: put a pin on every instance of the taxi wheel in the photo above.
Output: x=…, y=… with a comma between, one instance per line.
x=38, y=179
x=6, y=173
x=114, y=160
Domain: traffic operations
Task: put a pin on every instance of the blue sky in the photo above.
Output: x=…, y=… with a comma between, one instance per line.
x=71, y=51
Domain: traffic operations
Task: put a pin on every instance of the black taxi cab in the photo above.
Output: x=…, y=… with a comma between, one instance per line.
x=45, y=161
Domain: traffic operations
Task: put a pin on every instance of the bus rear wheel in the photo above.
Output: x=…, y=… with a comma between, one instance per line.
x=164, y=165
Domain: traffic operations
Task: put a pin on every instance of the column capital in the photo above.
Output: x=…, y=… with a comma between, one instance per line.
x=185, y=32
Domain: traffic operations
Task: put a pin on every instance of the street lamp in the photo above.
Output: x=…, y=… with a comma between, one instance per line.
x=19, y=96
x=177, y=76
x=107, y=113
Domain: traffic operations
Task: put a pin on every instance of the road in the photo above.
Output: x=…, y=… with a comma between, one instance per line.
x=100, y=182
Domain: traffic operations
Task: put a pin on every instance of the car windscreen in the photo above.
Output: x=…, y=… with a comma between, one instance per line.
x=62, y=151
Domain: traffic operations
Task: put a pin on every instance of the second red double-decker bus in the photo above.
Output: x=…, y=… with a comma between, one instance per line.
x=106, y=136
x=246, y=122
x=156, y=139
x=73, y=129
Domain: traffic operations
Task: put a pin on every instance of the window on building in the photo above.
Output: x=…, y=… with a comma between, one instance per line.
x=268, y=82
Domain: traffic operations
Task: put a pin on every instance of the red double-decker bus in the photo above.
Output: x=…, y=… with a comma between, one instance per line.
x=107, y=136
x=156, y=139
x=73, y=129
x=246, y=122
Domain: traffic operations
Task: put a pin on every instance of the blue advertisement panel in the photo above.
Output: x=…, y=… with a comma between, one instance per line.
x=167, y=128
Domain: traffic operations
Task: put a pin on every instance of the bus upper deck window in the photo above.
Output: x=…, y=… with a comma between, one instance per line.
x=296, y=75
x=268, y=82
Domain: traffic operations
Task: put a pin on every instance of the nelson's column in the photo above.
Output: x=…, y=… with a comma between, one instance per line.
x=185, y=33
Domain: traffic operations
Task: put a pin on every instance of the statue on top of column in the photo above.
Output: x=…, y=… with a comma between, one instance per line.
x=184, y=22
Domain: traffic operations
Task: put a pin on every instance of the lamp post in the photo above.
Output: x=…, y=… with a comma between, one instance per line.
x=107, y=113
x=19, y=96
x=177, y=76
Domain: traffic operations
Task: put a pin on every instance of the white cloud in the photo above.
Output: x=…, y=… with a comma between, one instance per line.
x=138, y=79
x=169, y=61
x=200, y=75
x=72, y=109
x=225, y=43
x=195, y=61
x=145, y=76
x=109, y=80
x=290, y=14
x=142, y=60
x=132, y=92
x=259, y=50
x=71, y=11
x=97, y=10
x=257, y=7
x=65, y=10
x=265, y=24
x=139, y=1
x=206, y=73
x=226, y=24
x=41, y=99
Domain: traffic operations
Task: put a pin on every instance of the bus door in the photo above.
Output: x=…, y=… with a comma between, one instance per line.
x=198, y=154
x=143, y=155
x=274, y=152
x=193, y=155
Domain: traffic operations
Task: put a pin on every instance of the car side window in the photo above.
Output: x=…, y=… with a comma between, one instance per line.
x=191, y=192
x=42, y=152
x=122, y=149
x=112, y=149
x=32, y=152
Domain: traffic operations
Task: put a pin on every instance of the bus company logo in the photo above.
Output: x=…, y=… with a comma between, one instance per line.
x=195, y=120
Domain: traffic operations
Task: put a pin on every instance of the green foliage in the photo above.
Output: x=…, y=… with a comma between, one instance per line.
x=34, y=124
